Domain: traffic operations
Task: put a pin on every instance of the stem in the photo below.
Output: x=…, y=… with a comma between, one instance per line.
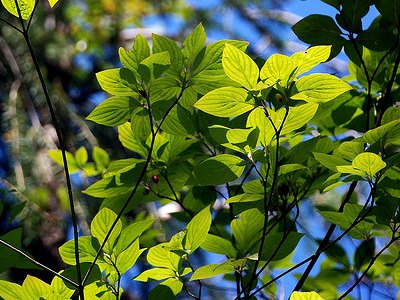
x=63, y=147
x=38, y=263
x=371, y=263
x=141, y=176
x=324, y=241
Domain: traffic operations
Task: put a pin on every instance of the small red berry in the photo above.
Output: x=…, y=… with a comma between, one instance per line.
x=155, y=178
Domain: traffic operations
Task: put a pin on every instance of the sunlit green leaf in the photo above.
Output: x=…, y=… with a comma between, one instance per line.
x=114, y=111
x=33, y=288
x=81, y=157
x=59, y=288
x=277, y=68
x=217, y=244
x=155, y=274
x=160, y=256
x=212, y=270
x=240, y=67
x=127, y=258
x=319, y=88
x=11, y=291
x=132, y=58
x=87, y=251
x=154, y=66
x=193, y=43
x=308, y=59
x=52, y=2
x=370, y=163
x=101, y=225
x=118, y=82
x=25, y=6
x=225, y=102
x=247, y=228
x=197, y=230
x=305, y=296
x=130, y=233
x=56, y=156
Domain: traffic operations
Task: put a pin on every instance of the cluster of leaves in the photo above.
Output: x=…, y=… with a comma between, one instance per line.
x=206, y=123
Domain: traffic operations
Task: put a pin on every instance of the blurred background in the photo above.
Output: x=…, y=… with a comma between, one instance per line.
x=73, y=41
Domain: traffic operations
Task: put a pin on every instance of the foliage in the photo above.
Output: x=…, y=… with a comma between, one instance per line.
x=205, y=123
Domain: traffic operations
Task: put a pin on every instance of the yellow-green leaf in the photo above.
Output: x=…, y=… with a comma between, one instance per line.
x=100, y=226
x=240, y=67
x=319, y=88
x=25, y=6
x=225, y=102
x=52, y=2
x=313, y=56
x=277, y=68
x=370, y=163
x=305, y=296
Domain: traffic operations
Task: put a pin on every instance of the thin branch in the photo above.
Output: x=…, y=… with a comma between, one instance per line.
x=38, y=263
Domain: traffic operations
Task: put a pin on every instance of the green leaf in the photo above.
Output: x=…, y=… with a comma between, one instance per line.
x=118, y=82
x=56, y=156
x=127, y=258
x=287, y=245
x=130, y=233
x=377, y=39
x=128, y=140
x=101, y=158
x=257, y=119
x=101, y=225
x=319, y=88
x=225, y=102
x=52, y=2
x=87, y=250
x=344, y=220
x=197, y=230
x=162, y=44
x=81, y=157
x=155, y=274
x=179, y=122
x=364, y=253
x=34, y=288
x=114, y=111
x=240, y=67
x=297, y=117
x=216, y=244
x=389, y=9
x=288, y=168
x=59, y=288
x=245, y=198
x=318, y=30
x=277, y=69
x=218, y=170
x=132, y=58
x=308, y=59
x=10, y=259
x=154, y=66
x=374, y=135
x=26, y=7
x=166, y=290
x=10, y=291
x=246, y=229
x=160, y=256
x=194, y=43
x=370, y=163
x=305, y=296
x=329, y=161
x=140, y=124
x=349, y=150
x=212, y=270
